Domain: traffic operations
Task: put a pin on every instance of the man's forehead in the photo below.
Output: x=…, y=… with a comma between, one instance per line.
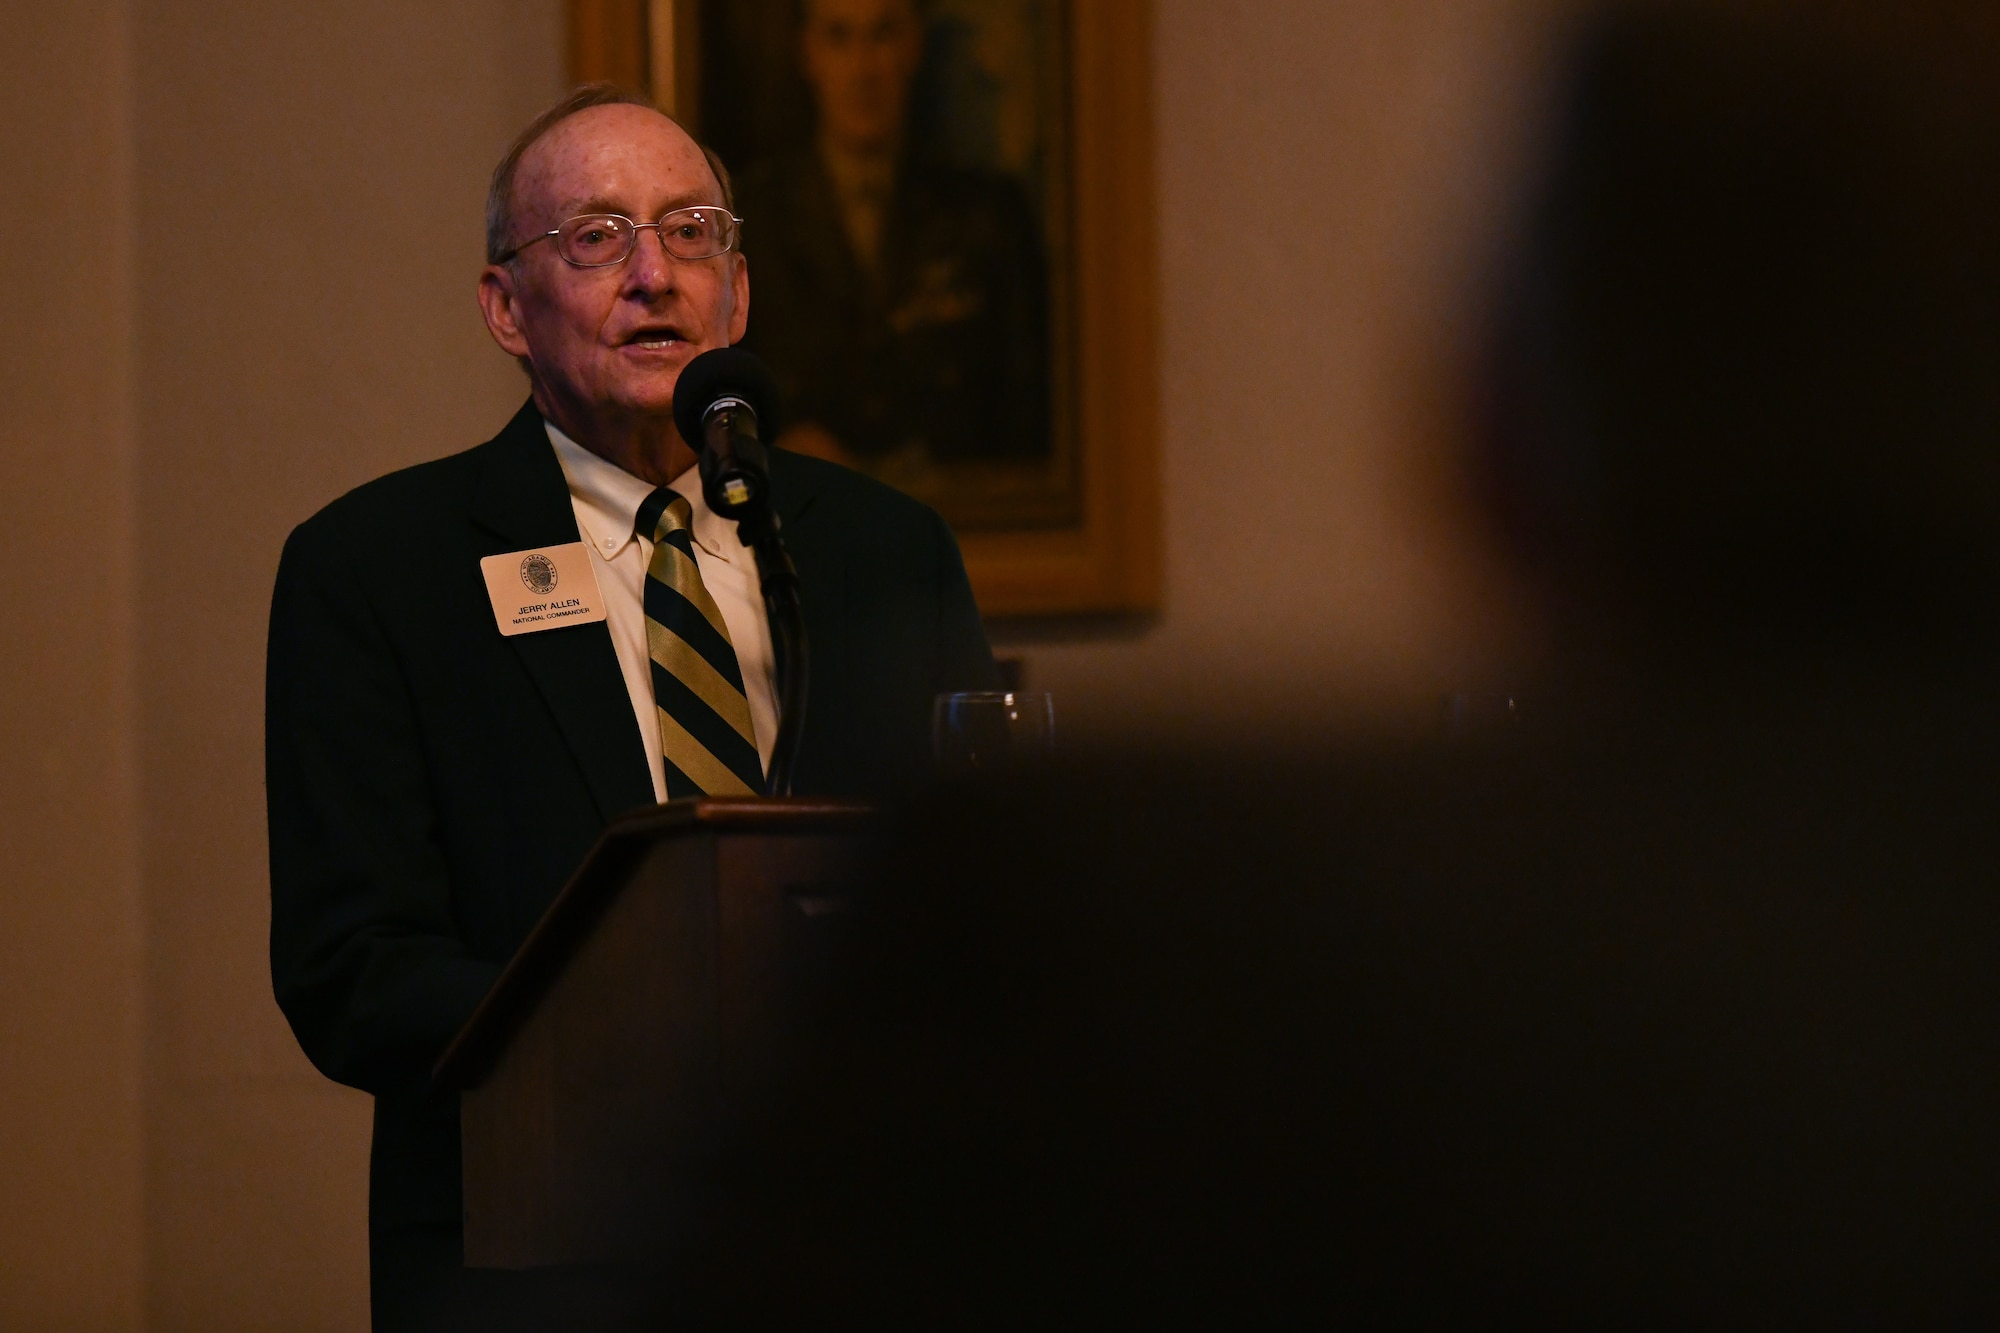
x=616, y=156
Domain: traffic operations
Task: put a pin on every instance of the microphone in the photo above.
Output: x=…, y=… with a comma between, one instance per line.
x=725, y=402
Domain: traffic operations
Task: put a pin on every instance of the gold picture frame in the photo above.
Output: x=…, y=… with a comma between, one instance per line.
x=1106, y=558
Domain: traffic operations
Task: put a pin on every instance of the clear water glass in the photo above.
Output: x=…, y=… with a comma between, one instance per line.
x=991, y=731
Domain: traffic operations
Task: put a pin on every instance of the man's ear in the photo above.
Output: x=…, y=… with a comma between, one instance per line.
x=739, y=286
x=500, y=302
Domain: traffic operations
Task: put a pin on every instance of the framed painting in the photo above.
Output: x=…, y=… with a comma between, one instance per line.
x=948, y=216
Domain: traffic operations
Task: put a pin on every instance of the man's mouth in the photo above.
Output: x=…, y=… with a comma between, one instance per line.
x=654, y=339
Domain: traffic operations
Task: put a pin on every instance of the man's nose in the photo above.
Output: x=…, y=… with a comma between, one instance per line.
x=649, y=268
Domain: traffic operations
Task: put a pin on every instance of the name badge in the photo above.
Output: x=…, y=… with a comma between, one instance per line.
x=546, y=588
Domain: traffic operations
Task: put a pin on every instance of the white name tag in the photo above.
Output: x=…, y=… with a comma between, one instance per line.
x=546, y=588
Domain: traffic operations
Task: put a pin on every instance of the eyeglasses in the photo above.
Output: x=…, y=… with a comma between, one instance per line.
x=598, y=240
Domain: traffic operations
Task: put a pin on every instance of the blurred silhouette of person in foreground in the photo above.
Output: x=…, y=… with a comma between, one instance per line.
x=1677, y=1007
x=901, y=299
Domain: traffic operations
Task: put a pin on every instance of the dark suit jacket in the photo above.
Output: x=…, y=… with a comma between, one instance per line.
x=432, y=784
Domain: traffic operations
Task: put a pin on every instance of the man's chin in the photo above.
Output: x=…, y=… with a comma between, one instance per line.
x=648, y=395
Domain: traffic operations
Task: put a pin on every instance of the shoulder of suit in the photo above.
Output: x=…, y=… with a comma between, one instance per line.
x=845, y=491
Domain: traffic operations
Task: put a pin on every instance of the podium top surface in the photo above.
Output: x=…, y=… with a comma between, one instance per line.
x=592, y=884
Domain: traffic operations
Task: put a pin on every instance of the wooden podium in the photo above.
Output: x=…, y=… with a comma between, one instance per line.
x=657, y=990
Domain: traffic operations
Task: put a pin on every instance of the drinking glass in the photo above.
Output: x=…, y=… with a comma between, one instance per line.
x=990, y=731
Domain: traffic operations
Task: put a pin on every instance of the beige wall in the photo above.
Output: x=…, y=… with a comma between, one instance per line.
x=1317, y=572
x=310, y=182
x=71, y=926
x=254, y=321
x=283, y=208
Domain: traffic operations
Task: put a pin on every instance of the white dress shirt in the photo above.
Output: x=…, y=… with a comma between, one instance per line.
x=607, y=499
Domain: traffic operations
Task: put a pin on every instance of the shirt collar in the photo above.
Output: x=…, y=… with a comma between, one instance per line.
x=608, y=498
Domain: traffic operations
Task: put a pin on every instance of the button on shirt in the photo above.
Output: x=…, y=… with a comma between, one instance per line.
x=607, y=498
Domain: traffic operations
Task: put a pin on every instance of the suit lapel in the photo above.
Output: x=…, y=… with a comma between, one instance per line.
x=521, y=501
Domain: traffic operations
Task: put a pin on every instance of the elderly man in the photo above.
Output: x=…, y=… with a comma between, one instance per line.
x=435, y=772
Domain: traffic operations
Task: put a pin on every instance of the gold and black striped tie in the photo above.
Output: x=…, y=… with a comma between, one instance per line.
x=705, y=731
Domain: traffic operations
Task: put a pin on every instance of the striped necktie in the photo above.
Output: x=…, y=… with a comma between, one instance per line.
x=705, y=732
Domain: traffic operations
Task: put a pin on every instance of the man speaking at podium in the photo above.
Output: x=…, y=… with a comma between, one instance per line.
x=436, y=767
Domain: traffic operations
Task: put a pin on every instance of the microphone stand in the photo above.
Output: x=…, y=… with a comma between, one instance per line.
x=737, y=484
x=780, y=581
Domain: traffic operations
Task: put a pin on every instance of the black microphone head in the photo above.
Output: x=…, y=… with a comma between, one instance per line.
x=725, y=372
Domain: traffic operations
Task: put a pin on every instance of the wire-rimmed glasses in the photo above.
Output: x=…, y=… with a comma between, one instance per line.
x=597, y=240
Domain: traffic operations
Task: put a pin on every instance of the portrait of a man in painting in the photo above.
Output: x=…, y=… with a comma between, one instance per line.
x=900, y=168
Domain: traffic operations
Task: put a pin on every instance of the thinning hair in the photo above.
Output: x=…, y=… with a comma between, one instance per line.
x=500, y=194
